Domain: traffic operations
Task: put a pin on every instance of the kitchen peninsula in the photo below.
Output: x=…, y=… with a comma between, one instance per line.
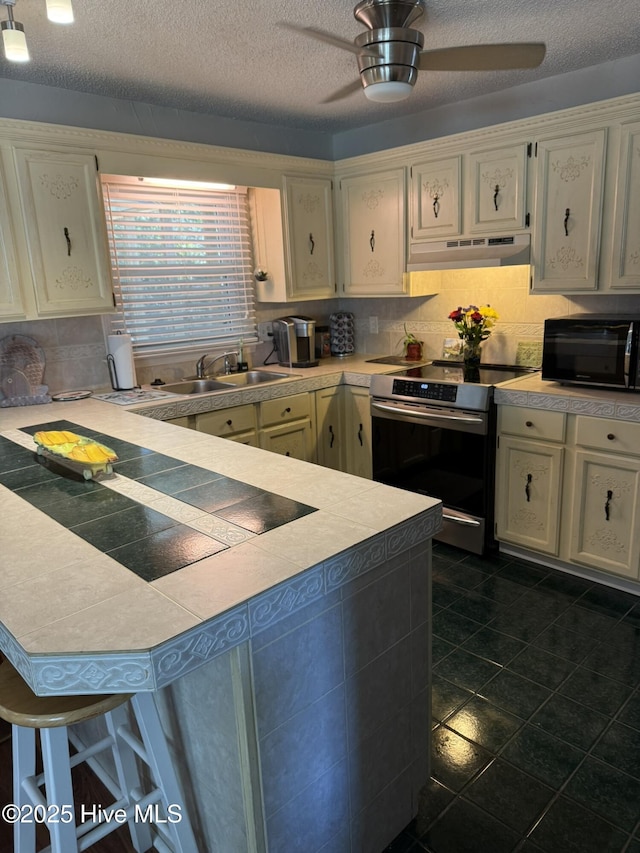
x=280, y=610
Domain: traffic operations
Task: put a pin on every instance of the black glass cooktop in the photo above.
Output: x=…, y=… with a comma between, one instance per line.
x=453, y=371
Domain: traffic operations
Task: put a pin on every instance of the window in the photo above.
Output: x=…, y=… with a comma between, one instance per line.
x=182, y=265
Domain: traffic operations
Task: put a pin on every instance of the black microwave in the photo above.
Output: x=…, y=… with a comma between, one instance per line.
x=587, y=349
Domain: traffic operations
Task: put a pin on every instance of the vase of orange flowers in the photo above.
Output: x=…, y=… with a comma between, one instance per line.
x=474, y=325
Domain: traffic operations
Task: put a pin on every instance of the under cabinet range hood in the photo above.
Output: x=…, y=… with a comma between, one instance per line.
x=468, y=252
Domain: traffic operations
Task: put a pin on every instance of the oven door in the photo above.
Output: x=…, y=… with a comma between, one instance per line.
x=445, y=453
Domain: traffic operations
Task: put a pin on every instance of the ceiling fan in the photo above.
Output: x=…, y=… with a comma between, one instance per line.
x=390, y=52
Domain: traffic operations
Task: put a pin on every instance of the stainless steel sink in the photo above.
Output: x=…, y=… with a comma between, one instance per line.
x=253, y=377
x=192, y=385
x=196, y=386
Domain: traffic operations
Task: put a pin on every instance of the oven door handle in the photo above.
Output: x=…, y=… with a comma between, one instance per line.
x=418, y=413
x=461, y=519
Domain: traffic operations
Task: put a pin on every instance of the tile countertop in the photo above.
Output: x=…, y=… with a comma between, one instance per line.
x=74, y=620
x=352, y=370
x=534, y=392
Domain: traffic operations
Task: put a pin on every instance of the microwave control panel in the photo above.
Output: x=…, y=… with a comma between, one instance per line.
x=425, y=390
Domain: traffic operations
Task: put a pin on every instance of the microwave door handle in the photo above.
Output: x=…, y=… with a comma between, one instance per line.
x=427, y=415
x=627, y=353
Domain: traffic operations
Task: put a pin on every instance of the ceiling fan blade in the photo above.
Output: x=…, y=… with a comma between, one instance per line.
x=347, y=90
x=329, y=38
x=483, y=57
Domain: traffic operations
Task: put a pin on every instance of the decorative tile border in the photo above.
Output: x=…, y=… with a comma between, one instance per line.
x=572, y=405
x=196, y=647
x=84, y=673
x=272, y=606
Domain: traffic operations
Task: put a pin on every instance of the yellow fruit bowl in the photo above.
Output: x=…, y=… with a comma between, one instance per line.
x=77, y=452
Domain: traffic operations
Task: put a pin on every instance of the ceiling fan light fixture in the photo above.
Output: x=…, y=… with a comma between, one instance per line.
x=60, y=11
x=388, y=91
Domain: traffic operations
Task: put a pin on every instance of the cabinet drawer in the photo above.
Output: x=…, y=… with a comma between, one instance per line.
x=604, y=434
x=532, y=423
x=227, y=421
x=285, y=409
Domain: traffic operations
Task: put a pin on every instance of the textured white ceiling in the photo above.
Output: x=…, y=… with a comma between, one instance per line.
x=231, y=58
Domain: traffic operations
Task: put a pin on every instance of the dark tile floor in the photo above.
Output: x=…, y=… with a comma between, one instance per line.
x=536, y=707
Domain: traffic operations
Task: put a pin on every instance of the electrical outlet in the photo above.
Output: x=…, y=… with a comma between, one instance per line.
x=373, y=325
x=265, y=331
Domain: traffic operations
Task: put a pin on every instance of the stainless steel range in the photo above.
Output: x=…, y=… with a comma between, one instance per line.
x=434, y=433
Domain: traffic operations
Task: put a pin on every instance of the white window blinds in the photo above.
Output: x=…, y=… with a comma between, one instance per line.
x=182, y=265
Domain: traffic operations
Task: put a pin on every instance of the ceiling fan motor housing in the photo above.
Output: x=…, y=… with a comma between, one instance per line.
x=399, y=55
x=385, y=14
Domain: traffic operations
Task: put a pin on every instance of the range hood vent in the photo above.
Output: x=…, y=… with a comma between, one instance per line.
x=468, y=252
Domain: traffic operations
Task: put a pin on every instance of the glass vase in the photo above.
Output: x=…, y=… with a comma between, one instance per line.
x=471, y=353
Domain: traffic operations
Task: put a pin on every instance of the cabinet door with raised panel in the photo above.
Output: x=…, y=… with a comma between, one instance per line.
x=625, y=257
x=330, y=428
x=373, y=209
x=568, y=212
x=293, y=439
x=436, y=207
x=66, y=234
x=11, y=304
x=528, y=481
x=358, y=431
x=309, y=235
x=605, y=515
x=495, y=195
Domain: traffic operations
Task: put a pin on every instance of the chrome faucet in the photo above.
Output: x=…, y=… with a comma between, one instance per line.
x=201, y=363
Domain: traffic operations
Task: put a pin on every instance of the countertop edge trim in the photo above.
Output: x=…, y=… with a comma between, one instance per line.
x=149, y=670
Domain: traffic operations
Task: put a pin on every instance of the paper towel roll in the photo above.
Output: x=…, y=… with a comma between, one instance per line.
x=120, y=362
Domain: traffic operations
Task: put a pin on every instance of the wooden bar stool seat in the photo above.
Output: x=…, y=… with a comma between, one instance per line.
x=157, y=803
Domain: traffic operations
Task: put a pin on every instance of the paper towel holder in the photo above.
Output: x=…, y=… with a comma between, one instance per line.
x=113, y=374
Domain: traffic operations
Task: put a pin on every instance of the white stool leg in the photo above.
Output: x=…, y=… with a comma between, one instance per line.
x=24, y=765
x=128, y=776
x=57, y=780
x=162, y=768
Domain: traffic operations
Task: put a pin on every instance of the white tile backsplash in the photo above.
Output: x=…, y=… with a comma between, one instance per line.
x=75, y=350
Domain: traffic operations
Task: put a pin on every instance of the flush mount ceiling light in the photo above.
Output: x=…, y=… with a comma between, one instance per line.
x=13, y=37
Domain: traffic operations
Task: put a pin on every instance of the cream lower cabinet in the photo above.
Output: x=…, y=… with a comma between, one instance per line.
x=330, y=428
x=238, y=423
x=343, y=423
x=358, y=431
x=604, y=515
x=287, y=426
x=529, y=478
x=569, y=486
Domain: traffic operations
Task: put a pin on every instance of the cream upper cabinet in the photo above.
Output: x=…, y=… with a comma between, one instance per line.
x=436, y=209
x=625, y=254
x=309, y=236
x=568, y=212
x=11, y=302
x=373, y=226
x=63, y=218
x=495, y=198
x=293, y=240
